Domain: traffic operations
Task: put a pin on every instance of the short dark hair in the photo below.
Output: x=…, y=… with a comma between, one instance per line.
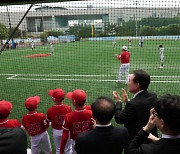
x=3, y=116
x=160, y=46
x=103, y=109
x=168, y=109
x=143, y=78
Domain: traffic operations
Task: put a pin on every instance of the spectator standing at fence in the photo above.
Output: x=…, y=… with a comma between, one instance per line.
x=166, y=116
x=55, y=115
x=5, y=110
x=36, y=125
x=104, y=138
x=161, y=53
x=124, y=57
x=136, y=111
x=77, y=121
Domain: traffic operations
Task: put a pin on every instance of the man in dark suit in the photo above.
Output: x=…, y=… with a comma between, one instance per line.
x=104, y=138
x=136, y=111
x=13, y=141
x=166, y=116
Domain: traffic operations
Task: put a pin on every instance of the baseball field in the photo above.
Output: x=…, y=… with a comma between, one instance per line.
x=87, y=65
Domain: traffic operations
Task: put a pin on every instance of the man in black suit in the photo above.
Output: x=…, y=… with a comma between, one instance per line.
x=166, y=116
x=104, y=138
x=13, y=141
x=136, y=111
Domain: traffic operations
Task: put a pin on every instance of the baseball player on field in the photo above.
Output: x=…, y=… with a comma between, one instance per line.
x=161, y=53
x=77, y=121
x=130, y=41
x=141, y=41
x=124, y=57
x=51, y=48
x=114, y=44
x=55, y=115
x=32, y=45
x=36, y=126
x=5, y=110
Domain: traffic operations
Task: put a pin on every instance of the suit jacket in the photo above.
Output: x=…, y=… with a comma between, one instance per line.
x=102, y=140
x=136, y=113
x=13, y=141
x=163, y=146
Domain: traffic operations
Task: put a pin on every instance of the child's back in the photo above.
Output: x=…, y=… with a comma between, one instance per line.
x=36, y=126
x=5, y=110
x=55, y=115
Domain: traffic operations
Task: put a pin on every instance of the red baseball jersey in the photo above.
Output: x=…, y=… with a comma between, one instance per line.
x=56, y=114
x=88, y=107
x=75, y=122
x=9, y=123
x=34, y=123
x=78, y=121
x=124, y=57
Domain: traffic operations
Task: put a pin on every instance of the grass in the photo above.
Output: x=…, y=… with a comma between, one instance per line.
x=88, y=65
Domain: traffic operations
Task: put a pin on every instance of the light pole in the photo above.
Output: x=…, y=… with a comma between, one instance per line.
x=10, y=28
x=42, y=20
x=136, y=17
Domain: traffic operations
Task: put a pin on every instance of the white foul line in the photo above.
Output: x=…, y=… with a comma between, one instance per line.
x=12, y=77
x=18, y=77
x=82, y=80
x=79, y=75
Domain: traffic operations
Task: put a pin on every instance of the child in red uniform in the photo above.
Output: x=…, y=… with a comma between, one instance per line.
x=36, y=126
x=55, y=115
x=69, y=96
x=5, y=110
x=77, y=121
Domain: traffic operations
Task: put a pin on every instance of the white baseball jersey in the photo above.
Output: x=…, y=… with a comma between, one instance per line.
x=161, y=53
x=32, y=45
x=51, y=48
x=114, y=44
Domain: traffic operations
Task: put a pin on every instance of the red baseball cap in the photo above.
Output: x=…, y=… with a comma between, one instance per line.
x=32, y=102
x=77, y=95
x=5, y=108
x=58, y=94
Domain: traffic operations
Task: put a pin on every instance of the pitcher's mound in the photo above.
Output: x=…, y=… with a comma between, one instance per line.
x=38, y=55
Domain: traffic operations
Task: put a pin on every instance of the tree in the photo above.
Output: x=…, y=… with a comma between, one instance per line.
x=55, y=33
x=161, y=30
x=158, y=22
x=43, y=37
x=3, y=31
x=18, y=34
x=83, y=30
x=173, y=29
x=148, y=31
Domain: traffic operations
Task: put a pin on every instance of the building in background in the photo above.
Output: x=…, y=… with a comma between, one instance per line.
x=46, y=18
